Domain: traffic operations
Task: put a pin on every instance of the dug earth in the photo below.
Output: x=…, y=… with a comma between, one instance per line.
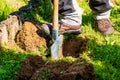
x=32, y=38
x=35, y=68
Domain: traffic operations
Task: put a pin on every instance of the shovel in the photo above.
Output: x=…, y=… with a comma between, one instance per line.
x=56, y=48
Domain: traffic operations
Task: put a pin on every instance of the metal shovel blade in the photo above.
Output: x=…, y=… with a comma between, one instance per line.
x=56, y=48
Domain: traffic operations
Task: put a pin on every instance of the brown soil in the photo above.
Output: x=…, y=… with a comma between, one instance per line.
x=74, y=47
x=35, y=68
x=30, y=38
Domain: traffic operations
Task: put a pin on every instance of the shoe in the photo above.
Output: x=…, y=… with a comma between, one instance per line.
x=105, y=26
x=47, y=28
x=69, y=29
x=63, y=28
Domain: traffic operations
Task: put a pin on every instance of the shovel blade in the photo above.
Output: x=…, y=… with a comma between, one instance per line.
x=56, y=48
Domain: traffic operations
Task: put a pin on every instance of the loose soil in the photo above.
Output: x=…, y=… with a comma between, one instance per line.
x=30, y=38
x=74, y=47
x=35, y=68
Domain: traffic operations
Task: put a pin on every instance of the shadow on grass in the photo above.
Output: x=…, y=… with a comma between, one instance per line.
x=10, y=63
x=106, y=59
x=89, y=20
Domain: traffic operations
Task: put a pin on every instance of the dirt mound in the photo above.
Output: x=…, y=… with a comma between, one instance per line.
x=30, y=38
x=35, y=68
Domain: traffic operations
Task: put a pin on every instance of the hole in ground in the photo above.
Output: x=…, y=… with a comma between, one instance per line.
x=74, y=47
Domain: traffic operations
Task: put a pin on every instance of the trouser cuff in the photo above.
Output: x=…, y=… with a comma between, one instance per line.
x=98, y=16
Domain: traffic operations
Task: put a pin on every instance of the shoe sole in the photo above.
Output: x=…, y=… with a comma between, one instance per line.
x=75, y=32
x=109, y=32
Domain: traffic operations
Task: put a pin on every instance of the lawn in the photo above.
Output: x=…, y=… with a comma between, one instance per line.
x=102, y=51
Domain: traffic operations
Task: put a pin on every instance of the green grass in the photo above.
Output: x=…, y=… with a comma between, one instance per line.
x=115, y=17
x=5, y=10
x=104, y=50
x=43, y=13
x=10, y=64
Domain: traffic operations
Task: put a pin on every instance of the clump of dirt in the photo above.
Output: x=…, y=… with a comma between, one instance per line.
x=30, y=38
x=35, y=68
x=74, y=47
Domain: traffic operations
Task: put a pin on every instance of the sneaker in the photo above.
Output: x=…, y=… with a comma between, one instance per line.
x=63, y=28
x=105, y=26
x=47, y=28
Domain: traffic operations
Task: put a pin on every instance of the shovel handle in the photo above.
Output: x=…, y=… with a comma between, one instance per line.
x=55, y=15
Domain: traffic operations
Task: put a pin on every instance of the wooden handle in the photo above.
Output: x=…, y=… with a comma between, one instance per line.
x=55, y=15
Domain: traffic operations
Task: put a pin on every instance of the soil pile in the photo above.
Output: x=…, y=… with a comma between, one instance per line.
x=35, y=68
x=30, y=38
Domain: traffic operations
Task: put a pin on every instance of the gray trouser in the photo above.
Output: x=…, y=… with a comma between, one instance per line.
x=72, y=13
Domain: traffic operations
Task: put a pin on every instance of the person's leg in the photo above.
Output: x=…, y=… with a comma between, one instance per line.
x=71, y=17
x=101, y=12
x=71, y=12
